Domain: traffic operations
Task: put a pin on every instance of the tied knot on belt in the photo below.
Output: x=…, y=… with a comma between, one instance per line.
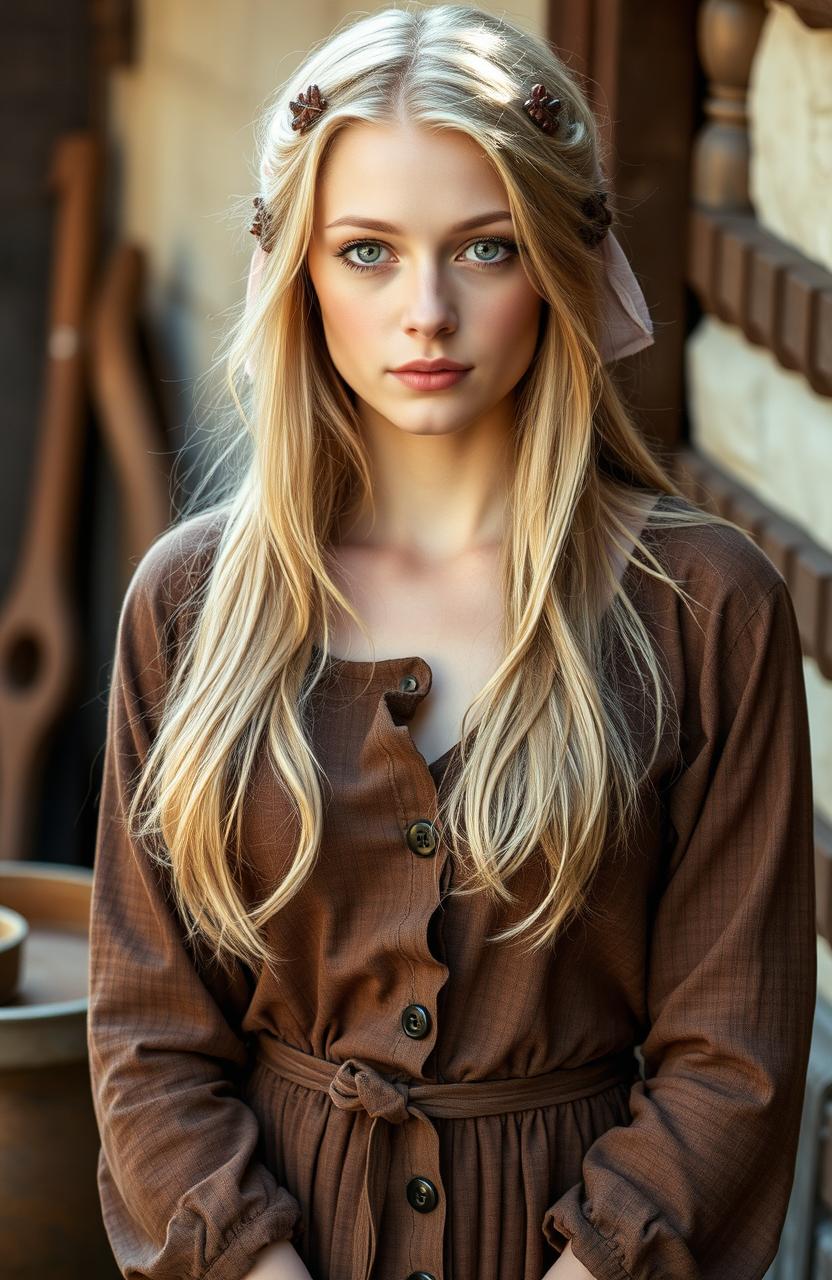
x=356, y=1086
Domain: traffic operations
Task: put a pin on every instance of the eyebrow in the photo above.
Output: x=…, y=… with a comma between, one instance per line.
x=478, y=220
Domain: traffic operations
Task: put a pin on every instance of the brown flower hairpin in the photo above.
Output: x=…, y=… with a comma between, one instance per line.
x=261, y=226
x=544, y=108
x=307, y=108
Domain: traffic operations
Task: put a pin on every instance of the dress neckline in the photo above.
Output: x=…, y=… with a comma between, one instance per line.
x=378, y=673
x=380, y=677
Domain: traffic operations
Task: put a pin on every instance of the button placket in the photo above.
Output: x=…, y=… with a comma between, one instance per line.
x=422, y=838
x=414, y=682
x=420, y=895
x=416, y=792
x=425, y=1194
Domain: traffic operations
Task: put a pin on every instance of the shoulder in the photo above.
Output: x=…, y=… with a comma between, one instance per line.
x=729, y=579
x=733, y=646
x=178, y=557
x=171, y=572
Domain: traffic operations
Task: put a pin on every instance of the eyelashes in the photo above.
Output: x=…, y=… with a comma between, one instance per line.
x=504, y=241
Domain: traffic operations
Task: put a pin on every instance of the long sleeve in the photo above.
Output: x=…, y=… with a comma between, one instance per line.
x=696, y=1187
x=183, y=1193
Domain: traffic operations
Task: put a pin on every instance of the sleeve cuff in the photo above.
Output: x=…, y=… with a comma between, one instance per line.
x=280, y=1220
x=598, y=1253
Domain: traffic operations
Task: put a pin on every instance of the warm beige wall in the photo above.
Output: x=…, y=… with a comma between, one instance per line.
x=182, y=135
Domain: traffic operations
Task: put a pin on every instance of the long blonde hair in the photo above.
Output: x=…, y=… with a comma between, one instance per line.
x=551, y=765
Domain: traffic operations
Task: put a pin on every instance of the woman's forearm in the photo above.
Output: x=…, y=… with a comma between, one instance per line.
x=281, y=1261
x=568, y=1267
x=278, y=1261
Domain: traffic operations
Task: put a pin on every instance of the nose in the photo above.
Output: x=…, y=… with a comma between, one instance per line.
x=430, y=308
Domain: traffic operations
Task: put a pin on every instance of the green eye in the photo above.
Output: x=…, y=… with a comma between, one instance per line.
x=482, y=263
x=477, y=244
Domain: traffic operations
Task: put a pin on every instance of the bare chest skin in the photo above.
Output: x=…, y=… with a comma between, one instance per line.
x=448, y=615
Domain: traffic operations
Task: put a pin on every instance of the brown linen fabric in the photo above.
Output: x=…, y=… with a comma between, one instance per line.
x=700, y=948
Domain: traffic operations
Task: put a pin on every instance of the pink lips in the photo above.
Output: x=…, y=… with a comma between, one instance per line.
x=420, y=380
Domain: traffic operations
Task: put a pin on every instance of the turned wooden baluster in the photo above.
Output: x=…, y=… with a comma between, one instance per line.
x=727, y=35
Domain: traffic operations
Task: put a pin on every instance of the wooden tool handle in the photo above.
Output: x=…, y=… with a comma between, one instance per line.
x=39, y=641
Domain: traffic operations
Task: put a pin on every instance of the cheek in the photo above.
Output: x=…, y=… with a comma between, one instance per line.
x=511, y=317
x=351, y=323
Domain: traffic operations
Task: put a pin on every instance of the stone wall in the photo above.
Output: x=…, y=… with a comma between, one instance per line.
x=753, y=418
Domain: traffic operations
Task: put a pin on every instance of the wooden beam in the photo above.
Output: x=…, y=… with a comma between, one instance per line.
x=638, y=65
x=779, y=298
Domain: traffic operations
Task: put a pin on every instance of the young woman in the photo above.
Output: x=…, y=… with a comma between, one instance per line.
x=453, y=756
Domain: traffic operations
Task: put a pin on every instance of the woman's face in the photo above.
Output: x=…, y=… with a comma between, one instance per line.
x=422, y=286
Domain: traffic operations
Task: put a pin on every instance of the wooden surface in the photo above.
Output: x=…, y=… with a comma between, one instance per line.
x=640, y=69
x=778, y=297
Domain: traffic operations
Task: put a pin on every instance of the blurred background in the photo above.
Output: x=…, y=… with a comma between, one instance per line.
x=128, y=134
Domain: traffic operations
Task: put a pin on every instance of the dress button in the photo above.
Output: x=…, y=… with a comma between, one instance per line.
x=422, y=1194
x=408, y=683
x=421, y=1275
x=416, y=1021
x=421, y=837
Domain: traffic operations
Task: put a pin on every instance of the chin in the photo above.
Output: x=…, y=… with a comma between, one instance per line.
x=432, y=428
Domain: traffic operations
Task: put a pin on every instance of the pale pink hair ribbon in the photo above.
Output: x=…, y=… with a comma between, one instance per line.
x=626, y=326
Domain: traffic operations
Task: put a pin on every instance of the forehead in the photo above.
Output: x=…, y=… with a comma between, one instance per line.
x=388, y=169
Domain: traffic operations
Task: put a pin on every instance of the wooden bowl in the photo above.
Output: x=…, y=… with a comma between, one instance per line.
x=13, y=930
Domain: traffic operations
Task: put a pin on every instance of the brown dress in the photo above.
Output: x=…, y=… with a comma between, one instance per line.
x=408, y=1100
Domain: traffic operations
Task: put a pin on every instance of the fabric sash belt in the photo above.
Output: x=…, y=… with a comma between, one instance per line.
x=355, y=1085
